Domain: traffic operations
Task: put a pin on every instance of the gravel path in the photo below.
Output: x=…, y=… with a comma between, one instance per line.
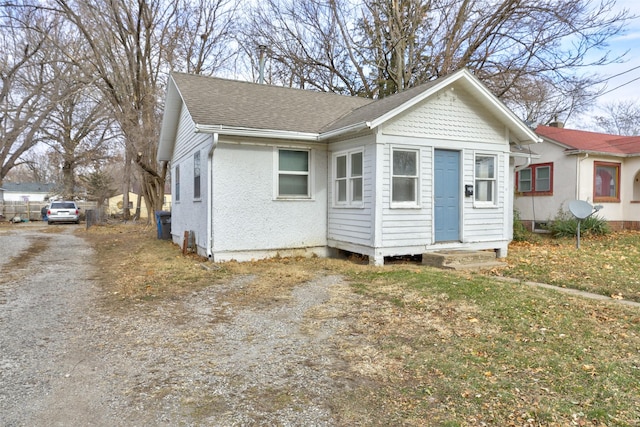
x=192, y=360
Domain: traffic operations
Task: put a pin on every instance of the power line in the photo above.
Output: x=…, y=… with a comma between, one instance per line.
x=619, y=74
x=618, y=87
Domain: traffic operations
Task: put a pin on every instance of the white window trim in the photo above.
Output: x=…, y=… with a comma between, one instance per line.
x=405, y=205
x=349, y=203
x=480, y=203
x=309, y=173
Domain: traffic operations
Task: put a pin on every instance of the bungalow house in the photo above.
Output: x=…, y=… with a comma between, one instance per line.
x=602, y=169
x=260, y=170
x=27, y=191
x=116, y=204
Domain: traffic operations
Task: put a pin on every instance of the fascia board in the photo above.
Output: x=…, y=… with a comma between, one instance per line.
x=345, y=130
x=170, y=119
x=257, y=133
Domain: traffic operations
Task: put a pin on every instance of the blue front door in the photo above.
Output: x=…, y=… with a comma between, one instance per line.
x=447, y=195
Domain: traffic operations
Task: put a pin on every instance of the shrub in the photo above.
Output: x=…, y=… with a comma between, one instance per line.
x=566, y=225
x=520, y=233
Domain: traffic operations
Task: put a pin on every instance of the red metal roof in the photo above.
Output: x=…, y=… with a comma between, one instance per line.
x=591, y=141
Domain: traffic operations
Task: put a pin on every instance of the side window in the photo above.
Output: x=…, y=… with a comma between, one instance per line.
x=348, y=179
x=196, y=175
x=606, y=182
x=536, y=180
x=177, y=183
x=293, y=173
x=485, y=179
x=404, y=176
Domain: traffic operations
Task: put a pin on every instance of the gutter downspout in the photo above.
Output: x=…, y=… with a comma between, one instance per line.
x=214, y=144
x=578, y=170
x=526, y=164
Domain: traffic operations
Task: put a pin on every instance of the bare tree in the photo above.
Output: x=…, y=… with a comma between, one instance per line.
x=80, y=126
x=130, y=46
x=310, y=45
x=383, y=46
x=26, y=85
x=620, y=118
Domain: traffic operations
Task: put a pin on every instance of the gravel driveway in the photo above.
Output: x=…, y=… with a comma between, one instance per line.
x=190, y=360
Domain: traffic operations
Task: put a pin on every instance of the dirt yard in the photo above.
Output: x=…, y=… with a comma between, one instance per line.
x=89, y=339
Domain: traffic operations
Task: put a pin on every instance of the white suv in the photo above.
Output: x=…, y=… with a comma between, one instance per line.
x=63, y=212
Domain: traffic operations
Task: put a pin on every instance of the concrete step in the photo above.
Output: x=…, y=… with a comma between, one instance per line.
x=462, y=260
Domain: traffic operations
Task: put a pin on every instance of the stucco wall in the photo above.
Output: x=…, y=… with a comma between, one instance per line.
x=573, y=178
x=247, y=216
x=540, y=208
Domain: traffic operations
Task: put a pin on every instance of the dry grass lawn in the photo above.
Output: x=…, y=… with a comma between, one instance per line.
x=433, y=347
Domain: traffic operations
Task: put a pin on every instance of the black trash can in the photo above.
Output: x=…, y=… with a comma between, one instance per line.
x=163, y=221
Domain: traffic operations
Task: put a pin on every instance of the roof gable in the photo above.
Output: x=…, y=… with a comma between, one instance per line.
x=584, y=141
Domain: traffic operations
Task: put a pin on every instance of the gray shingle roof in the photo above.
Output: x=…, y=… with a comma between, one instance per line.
x=214, y=101
x=28, y=187
x=374, y=110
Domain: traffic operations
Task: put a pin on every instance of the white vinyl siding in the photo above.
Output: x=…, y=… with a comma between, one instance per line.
x=485, y=225
x=353, y=225
x=453, y=115
x=348, y=180
x=408, y=227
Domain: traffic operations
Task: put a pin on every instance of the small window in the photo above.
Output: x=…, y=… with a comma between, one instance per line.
x=177, y=183
x=404, y=180
x=536, y=180
x=196, y=175
x=348, y=178
x=485, y=179
x=606, y=185
x=293, y=174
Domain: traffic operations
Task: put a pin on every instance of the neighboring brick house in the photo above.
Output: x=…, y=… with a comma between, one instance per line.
x=571, y=164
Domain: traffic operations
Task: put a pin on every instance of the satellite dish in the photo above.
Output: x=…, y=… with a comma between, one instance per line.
x=580, y=209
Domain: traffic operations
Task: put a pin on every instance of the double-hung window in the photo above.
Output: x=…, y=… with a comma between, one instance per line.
x=485, y=179
x=196, y=175
x=536, y=180
x=348, y=179
x=177, y=184
x=293, y=173
x=404, y=177
x=606, y=185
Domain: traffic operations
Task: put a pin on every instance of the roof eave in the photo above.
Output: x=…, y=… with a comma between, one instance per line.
x=170, y=120
x=258, y=133
x=344, y=130
x=600, y=153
